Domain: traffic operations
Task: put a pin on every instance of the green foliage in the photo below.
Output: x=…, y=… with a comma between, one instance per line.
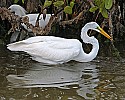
x=72, y=4
x=68, y=10
x=22, y=1
x=58, y=3
x=104, y=12
x=15, y=1
x=93, y=9
x=47, y=3
x=108, y=4
x=103, y=6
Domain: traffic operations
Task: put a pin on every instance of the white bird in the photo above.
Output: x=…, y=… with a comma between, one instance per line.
x=57, y=50
x=20, y=11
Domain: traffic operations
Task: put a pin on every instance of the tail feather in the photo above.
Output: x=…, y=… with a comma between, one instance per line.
x=17, y=46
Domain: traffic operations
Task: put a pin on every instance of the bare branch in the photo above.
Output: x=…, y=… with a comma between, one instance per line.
x=15, y=21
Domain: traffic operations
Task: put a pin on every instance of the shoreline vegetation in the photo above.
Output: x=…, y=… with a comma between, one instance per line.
x=74, y=15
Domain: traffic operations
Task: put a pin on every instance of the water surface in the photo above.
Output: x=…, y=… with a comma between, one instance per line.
x=24, y=79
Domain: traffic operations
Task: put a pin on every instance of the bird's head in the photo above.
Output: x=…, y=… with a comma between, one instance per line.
x=96, y=27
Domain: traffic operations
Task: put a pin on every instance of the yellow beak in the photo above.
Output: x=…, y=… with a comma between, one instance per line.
x=104, y=33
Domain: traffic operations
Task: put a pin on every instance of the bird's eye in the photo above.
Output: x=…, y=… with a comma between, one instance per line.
x=97, y=28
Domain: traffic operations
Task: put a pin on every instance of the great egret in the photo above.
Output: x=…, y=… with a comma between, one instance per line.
x=20, y=11
x=56, y=50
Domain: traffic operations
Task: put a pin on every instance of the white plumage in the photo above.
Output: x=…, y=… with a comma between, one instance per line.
x=20, y=11
x=56, y=50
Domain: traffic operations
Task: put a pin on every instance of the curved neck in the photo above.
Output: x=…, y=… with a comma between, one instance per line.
x=91, y=40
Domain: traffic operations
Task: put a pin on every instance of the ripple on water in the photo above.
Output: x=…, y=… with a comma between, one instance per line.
x=103, y=78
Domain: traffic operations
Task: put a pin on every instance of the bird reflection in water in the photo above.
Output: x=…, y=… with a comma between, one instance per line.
x=83, y=77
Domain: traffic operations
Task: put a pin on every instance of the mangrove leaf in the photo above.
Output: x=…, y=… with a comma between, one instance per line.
x=58, y=3
x=47, y=3
x=104, y=12
x=72, y=4
x=93, y=9
x=108, y=4
x=68, y=10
